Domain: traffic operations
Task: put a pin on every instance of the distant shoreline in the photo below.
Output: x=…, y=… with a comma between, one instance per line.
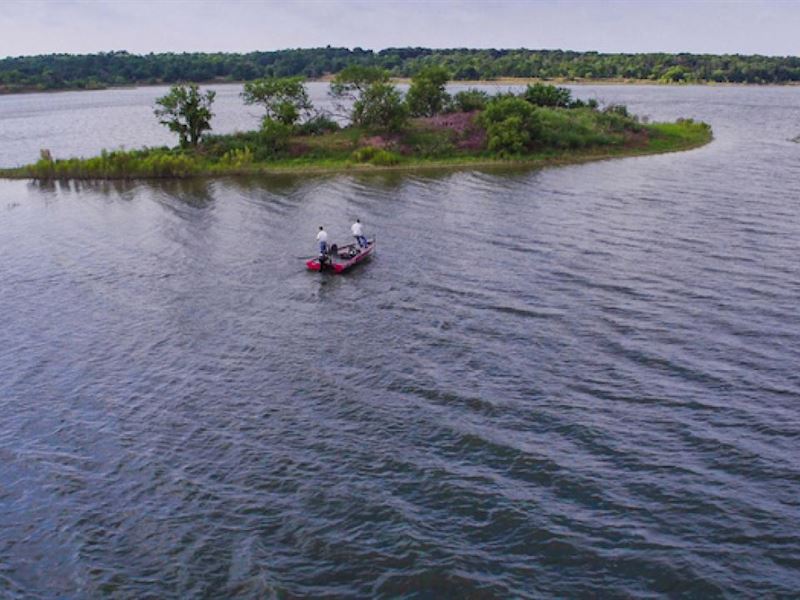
x=503, y=66
x=500, y=81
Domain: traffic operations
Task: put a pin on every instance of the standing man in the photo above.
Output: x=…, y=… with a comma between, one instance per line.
x=358, y=233
x=322, y=238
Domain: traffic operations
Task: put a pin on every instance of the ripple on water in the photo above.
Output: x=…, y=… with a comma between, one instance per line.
x=571, y=382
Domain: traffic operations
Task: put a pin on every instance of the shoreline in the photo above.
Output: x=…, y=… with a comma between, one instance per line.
x=535, y=161
x=500, y=81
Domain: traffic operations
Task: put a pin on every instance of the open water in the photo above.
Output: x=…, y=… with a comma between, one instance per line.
x=576, y=382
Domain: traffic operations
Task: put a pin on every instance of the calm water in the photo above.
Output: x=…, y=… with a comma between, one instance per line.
x=577, y=382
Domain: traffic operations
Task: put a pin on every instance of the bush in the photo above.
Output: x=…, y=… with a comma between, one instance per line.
x=317, y=125
x=541, y=94
x=617, y=109
x=375, y=156
x=573, y=129
x=469, y=100
x=431, y=146
x=508, y=136
x=239, y=157
x=272, y=139
x=512, y=125
x=616, y=118
x=364, y=154
x=427, y=96
x=502, y=108
x=384, y=158
x=590, y=103
x=380, y=107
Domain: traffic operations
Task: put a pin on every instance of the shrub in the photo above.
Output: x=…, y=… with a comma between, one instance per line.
x=375, y=156
x=317, y=125
x=427, y=96
x=590, y=103
x=238, y=157
x=365, y=154
x=617, y=109
x=430, y=146
x=540, y=94
x=512, y=125
x=272, y=139
x=508, y=136
x=384, y=158
x=469, y=100
x=615, y=118
x=380, y=107
x=579, y=128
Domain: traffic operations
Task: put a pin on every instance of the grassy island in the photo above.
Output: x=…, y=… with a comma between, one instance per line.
x=425, y=129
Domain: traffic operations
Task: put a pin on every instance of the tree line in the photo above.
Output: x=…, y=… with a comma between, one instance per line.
x=96, y=71
x=512, y=122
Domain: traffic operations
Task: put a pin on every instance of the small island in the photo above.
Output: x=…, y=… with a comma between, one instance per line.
x=380, y=128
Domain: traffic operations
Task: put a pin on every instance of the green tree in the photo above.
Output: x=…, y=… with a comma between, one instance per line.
x=350, y=84
x=512, y=125
x=540, y=94
x=284, y=98
x=380, y=107
x=353, y=80
x=427, y=96
x=674, y=74
x=186, y=112
x=469, y=100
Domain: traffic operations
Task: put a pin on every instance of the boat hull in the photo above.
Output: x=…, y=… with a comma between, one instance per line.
x=345, y=258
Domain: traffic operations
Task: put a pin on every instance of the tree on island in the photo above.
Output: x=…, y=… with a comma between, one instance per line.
x=284, y=98
x=350, y=84
x=513, y=125
x=380, y=107
x=353, y=80
x=187, y=112
x=541, y=94
x=427, y=96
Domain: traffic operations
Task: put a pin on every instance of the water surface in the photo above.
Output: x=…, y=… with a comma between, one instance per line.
x=574, y=382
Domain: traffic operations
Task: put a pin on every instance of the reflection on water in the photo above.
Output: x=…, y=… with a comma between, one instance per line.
x=577, y=381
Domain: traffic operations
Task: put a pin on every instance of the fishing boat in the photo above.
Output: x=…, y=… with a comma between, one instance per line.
x=341, y=258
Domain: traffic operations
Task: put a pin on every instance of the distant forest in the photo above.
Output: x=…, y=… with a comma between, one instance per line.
x=96, y=71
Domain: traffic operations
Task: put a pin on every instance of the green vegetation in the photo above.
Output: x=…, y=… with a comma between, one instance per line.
x=541, y=126
x=380, y=108
x=284, y=98
x=468, y=100
x=351, y=83
x=427, y=96
x=94, y=71
x=548, y=95
x=186, y=112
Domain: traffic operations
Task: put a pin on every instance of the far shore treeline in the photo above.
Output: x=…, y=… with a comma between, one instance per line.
x=97, y=71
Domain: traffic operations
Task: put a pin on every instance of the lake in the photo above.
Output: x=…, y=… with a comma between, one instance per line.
x=574, y=382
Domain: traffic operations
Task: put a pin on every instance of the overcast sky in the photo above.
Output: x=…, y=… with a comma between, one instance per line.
x=79, y=26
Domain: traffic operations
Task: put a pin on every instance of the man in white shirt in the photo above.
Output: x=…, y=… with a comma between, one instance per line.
x=358, y=233
x=322, y=238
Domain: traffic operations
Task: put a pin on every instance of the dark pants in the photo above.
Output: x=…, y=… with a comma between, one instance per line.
x=323, y=248
x=362, y=241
